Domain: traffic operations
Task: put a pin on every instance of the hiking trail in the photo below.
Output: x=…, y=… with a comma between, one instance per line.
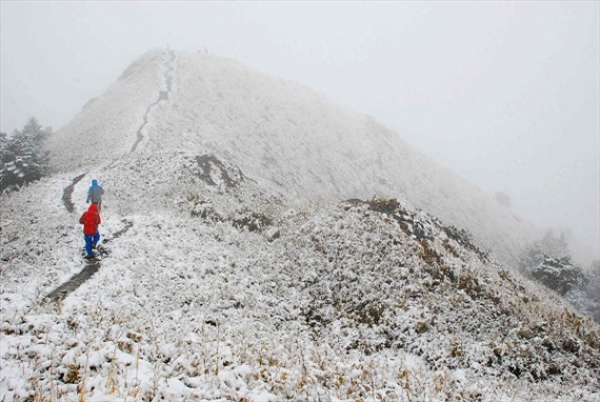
x=91, y=267
x=68, y=193
x=162, y=95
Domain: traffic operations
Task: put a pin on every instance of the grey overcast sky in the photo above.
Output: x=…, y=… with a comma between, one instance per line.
x=505, y=94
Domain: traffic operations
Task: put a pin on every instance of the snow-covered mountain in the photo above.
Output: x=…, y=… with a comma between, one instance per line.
x=289, y=139
x=248, y=259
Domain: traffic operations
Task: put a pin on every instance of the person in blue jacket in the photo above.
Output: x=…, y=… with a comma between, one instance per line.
x=95, y=194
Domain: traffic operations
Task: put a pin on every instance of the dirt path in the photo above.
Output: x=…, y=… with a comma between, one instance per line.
x=162, y=95
x=68, y=192
x=76, y=280
x=91, y=267
x=139, y=134
x=170, y=69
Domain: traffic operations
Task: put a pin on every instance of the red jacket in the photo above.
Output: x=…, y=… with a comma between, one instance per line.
x=90, y=220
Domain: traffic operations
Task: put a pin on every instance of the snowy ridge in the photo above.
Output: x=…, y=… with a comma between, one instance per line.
x=248, y=259
x=107, y=125
x=287, y=138
x=293, y=139
x=342, y=301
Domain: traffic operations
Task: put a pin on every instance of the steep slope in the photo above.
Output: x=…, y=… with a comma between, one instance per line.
x=106, y=127
x=248, y=259
x=287, y=138
x=350, y=300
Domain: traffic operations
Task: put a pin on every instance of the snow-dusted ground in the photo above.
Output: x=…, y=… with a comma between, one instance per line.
x=281, y=134
x=235, y=276
x=337, y=301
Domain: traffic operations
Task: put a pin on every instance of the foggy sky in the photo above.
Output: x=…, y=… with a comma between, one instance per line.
x=505, y=94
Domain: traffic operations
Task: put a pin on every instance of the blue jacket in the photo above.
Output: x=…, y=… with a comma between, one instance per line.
x=95, y=193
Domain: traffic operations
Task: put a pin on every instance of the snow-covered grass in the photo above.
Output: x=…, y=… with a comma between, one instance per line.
x=337, y=301
x=239, y=268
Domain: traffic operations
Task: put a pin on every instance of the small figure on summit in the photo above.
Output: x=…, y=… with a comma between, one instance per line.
x=90, y=221
x=95, y=194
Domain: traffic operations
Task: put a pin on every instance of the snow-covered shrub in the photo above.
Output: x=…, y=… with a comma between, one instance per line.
x=535, y=253
x=559, y=274
x=253, y=221
x=200, y=208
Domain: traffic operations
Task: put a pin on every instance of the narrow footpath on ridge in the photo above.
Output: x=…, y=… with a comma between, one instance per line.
x=162, y=95
x=90, y=269
x=68, y=192
x=169, y=72
x=92, y=266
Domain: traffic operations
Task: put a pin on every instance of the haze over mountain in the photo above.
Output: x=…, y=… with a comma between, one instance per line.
x=290, y=139
x=261, y=244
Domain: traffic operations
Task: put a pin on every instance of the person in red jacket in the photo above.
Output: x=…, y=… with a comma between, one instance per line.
x=90, y=221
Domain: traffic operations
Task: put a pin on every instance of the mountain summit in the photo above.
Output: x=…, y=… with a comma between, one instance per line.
x=259, y=244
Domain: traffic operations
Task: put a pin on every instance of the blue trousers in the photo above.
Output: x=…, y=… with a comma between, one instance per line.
x=91, y=240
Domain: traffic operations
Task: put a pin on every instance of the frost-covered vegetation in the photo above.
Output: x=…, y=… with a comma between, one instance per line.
x=351, y=300
x=559, y=274
x=549, y=261
x=227, y=278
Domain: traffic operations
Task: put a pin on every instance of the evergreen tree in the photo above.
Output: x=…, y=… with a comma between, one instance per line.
x=549, y=245
x=559, y=274
x=548, y=261
x=22, y=158
x=556, y=246
x=3, y=140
